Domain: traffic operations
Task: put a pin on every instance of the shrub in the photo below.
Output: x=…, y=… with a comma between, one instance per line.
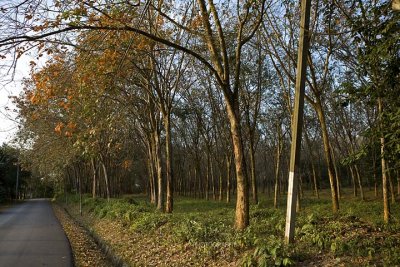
x=269, y=252
x=149, y=221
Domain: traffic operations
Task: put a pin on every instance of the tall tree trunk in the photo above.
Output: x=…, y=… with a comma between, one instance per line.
x=328, y=156
x=279, y=147
x=242, y=191
x=314, y=173
x=353, y=180
x=94, y=171
x=359, y=181
x=253, y=172
x=336, y=173
x=212, y=180
x=375, y=174
x=386, y=205
x=208, y=175
x=220, y=186
x=152, y=190
x=169, y=170
x=157, y=159
x=105, y=173
x=79, y=181
x=228, y=178
x=391, y=186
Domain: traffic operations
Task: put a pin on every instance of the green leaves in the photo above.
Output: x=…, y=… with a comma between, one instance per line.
x=269, y=252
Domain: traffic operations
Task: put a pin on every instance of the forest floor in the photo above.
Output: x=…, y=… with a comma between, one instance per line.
x=200, y=232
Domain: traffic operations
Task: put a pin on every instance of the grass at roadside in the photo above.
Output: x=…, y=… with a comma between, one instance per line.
x=200, y=232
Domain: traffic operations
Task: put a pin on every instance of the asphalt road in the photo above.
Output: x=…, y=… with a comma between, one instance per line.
x=30, y=235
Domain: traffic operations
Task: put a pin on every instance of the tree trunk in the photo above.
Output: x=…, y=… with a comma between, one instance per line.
x=220, y=186
x=359, y=182
x=336, y=173
x=279, y=147
x=353, y=180
x=169, y=170
x=94, y=170
x=105, y=173
x=242, y=191
x=375, y=174
x=314, y=173
x=228, y=178
x=212, y=180
x=157, y=159
x=328, y=156
x=208, y=175
x=386, y=205
x=253, y=173
x=391, y=186
x=151, y=181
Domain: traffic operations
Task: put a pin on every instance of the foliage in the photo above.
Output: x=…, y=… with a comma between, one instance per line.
x=269, y=252
x=354, y=235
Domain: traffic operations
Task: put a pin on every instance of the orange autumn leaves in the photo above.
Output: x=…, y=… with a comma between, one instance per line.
x=49, y=93
x=74, y=92
x=67, y=130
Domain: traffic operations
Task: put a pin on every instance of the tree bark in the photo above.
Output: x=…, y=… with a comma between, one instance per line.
x=391, y=186
x=386, y=205
x=228, y=178
x=242, y=191
x=359, y=182
x=105, y=173
x=94, y=170
x=169, y=170
x=157, y=159
x=328, y=156
x=253, y=172
x=279, y=147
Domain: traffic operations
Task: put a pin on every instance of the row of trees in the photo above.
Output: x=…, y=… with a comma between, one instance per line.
x=195, y=97
x=16, y=183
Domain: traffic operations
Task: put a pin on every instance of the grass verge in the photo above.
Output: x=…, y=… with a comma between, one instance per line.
x=200, y=233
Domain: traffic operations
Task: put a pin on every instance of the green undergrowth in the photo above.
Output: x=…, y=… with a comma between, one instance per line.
x=354, y=236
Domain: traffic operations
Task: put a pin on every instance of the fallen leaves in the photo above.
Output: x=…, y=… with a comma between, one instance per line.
x=86, y=252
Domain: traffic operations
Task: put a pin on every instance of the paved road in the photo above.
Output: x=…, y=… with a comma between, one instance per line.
x=30, y=235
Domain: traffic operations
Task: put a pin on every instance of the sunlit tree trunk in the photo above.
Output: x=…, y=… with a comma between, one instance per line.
x=386, y=205
x=242, y=198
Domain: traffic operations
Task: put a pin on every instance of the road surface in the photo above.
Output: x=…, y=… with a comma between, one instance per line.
x=30, y=235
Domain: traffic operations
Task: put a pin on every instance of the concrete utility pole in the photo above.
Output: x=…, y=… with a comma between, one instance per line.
x=297, y=120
